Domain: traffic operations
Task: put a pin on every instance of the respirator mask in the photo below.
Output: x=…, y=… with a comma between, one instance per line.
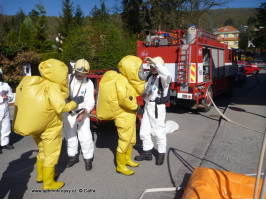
x=141, y=73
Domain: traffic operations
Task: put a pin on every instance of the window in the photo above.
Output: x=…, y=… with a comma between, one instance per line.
x=226, y=35
x=226, y=29
x=226, y=43
x=235, y=35
x=235, y=43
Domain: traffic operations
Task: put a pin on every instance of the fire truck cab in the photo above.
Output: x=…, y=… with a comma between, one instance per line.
x=197, y=62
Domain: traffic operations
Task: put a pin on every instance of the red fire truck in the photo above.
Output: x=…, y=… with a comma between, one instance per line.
x=197, y=62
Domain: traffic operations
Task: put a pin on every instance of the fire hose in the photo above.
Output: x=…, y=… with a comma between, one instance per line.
x=263, y=192
x=228, y=119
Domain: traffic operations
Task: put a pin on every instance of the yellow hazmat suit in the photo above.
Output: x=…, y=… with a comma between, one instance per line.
x=117, y=101
x=40, y=102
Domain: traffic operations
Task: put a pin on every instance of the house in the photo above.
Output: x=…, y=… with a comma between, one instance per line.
x=228, y=35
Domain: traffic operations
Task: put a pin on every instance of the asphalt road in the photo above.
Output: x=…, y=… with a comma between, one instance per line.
x=203, y=139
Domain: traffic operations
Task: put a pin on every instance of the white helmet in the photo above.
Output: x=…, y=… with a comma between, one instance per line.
x=158, y=60
x=82, y=66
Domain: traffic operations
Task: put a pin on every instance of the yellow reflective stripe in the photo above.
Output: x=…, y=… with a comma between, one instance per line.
x=192, y=73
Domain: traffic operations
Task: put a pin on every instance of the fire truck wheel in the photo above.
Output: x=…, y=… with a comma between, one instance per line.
x=207, y=102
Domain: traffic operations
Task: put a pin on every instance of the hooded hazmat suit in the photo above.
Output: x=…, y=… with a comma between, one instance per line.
x=4, y=113
x=117, y=101
x=40, y=102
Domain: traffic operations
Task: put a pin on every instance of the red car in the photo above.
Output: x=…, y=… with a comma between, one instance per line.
x=249, y=67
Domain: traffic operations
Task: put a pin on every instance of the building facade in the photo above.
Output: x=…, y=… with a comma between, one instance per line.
x=228, y=35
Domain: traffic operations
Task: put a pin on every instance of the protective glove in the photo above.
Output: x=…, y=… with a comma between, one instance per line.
x=139, y=111
x=150, y=60
x=78, y=100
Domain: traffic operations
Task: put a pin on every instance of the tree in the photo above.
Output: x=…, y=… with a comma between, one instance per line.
x=132, y=15
x=19, y=18
x=79, y=16
x=34, y=14
x=192, y=10
x=66, y=19
x=11, y=38
x=99, y=15
x=40, y=41
x=163, y=14
x=77, y=45
x=229, y=22
x=259, y=36
x=29, y=24
x=24, y=36
x=117, y=44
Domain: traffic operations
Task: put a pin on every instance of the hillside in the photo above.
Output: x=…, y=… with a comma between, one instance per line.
x=216, y=17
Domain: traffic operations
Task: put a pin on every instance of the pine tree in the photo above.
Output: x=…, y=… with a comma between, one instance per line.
x=77, y=45
x=19, y=18
x=132, y=15
x=40, y=41
x=11, y=38
x=34, y=14
x=29, y=23
x=24, y=35
x=66, y=20
x=79, y=16
x=99, y=15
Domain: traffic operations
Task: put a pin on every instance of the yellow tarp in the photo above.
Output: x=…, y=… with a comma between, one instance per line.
x=206, y=183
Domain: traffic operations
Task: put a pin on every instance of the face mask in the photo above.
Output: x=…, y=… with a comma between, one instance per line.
x=141, y=73
x=148, y=90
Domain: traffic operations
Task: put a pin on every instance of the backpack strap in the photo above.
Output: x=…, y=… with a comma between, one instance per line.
x=149, y=75
x=71, y=79
x=163, y=100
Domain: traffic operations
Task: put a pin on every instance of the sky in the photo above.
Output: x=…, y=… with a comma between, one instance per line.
x=54, y=7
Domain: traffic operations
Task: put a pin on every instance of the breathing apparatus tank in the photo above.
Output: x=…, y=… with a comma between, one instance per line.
x=191, y=34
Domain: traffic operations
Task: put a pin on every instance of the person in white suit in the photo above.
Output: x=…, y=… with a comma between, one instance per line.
x=153, y=122
x=77, y=122
x=6, y=96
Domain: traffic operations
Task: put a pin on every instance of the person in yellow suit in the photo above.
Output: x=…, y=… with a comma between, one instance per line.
x=117, y=101
x=39, y=104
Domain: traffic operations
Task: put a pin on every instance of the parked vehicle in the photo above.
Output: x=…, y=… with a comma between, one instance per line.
x=198, y=63
x=250, y=68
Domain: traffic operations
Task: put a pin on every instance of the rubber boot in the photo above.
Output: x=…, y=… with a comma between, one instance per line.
x=88, y=164
x=129, y=161
x=121, y=164
x=73, y=160
x=39, y=167
x=160, y=159
x=48, y=179
x=145, y=155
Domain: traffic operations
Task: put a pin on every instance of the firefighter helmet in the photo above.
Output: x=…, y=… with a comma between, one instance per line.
x=158, y=60
x=82, y=66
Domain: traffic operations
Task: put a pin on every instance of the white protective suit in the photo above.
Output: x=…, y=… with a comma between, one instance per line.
x=5, y=126
x=73, y=130
x=150, y=124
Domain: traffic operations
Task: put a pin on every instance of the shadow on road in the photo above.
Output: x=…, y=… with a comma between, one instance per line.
x=63, y=159
x=16, y=177
x=13, y=137
x=107, y=137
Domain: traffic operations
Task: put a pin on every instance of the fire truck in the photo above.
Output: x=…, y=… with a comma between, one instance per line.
x=198, y=63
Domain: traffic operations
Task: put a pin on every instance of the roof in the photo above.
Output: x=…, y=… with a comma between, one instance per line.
x=226, y=29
